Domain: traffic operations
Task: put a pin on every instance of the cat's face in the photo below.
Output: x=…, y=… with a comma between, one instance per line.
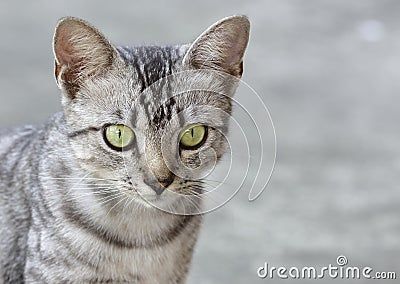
x=151, y=121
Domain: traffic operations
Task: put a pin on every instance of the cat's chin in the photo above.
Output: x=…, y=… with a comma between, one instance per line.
x=174, y=203
x=156, y=201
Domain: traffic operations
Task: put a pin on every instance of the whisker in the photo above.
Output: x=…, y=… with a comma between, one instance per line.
x=77, y=178
x=109, y=211
x=86, y=194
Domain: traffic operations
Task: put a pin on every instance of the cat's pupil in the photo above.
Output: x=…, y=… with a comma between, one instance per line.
x=119, y=133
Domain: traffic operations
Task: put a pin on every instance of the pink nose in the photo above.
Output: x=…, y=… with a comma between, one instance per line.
x=161, y=185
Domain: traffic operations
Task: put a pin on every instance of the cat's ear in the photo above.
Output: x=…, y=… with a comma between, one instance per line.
x=221, y=47
x=80, y=51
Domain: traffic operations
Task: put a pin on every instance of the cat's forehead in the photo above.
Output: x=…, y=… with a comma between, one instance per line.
x=149, y=66
x=146, y=91
x=151, y=63
x=154, y=100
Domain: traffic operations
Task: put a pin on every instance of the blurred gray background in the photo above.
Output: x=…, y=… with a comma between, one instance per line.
x=327, y=70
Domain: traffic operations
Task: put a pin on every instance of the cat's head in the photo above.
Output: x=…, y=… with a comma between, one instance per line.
x=148, y=118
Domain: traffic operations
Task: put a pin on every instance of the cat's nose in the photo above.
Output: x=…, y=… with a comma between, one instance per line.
x=160, y=185
x=166, y=182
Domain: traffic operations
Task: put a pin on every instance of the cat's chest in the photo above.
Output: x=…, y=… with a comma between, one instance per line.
x=163, y=264
x=135, y=265
x=98, y=262
x=85, y=258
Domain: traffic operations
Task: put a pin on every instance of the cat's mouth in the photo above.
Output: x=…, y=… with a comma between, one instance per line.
x=153, y=198
x=147, y=195
x=165, y=200
x=162, y=194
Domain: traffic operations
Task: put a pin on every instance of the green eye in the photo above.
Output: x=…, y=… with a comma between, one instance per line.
x=118, y=136
x=193, y=136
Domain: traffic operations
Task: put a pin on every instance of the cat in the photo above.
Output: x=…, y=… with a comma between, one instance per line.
x=79, y=193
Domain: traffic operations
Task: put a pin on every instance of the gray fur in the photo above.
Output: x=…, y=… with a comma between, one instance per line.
x=71, y=208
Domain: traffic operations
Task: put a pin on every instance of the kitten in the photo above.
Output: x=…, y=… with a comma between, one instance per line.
x=89, y=196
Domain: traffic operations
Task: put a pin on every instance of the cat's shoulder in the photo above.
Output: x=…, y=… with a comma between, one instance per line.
x=12, y=139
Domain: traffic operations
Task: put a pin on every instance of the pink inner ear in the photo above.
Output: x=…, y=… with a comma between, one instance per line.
x=234, y=55
x=233, y=51
x=65, y=52
x=68, y=63
x=222, y=46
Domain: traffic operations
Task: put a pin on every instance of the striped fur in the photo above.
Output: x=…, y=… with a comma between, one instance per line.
x=72, y=208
